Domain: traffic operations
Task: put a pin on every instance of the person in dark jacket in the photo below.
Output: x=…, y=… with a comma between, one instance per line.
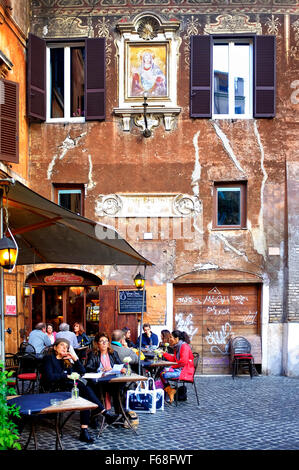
x=148, y=338
x=127, y=333
x=82, y=338
x=57, y=365
x=102, y=359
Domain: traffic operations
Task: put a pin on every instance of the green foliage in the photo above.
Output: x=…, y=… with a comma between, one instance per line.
x=9, y=434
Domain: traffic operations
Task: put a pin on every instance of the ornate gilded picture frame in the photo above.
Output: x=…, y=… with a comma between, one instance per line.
x=147, y=71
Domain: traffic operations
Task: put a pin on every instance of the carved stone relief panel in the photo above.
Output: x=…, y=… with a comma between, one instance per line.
x=147, y=205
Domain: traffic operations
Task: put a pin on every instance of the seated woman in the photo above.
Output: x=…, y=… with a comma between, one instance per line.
x=165, y=339
x=184, y=369
x=101, y=359
x=51, y=333
x=56, y=366
x=82, y=337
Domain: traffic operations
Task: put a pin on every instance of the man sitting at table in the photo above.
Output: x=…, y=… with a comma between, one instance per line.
x=39, y=339
x=118, y=344
x=64, y=332
x=148, y=338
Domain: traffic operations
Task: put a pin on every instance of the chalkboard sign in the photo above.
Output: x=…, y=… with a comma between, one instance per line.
x=130, y=301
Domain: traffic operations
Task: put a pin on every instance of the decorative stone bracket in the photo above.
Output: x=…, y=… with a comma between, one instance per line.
x=154, y=117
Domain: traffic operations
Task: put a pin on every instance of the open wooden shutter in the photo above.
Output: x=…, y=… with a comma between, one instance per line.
x=95, y=71
x=265, y=85
x=201, y=77
x=36, y=78
x=9, y=121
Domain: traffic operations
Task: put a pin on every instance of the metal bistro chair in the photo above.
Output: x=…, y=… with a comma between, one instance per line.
x=26, y=347
x=179, y=382
x=11, y=365
x=27, y=376
x=241, y=355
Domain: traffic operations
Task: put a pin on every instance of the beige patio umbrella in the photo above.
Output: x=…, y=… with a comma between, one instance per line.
x=47, y=233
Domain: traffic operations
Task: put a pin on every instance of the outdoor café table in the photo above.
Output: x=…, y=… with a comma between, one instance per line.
x=32, y=406
x=120, y=379
x=156, y=367
x=148, y=353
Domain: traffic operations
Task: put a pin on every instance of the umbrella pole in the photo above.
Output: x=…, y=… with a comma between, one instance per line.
x=141, y=324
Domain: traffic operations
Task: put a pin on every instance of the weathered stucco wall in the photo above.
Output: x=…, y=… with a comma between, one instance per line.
x=187, y=159
x=14, y=24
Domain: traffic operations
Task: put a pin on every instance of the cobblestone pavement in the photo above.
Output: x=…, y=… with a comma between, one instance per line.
x=252, y=414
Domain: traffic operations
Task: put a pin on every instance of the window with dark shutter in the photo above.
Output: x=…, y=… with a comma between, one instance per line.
x=9, y=122
x=95, y=79
x=265, y=65
x=201, y=76
x=227, y=103
x=36, y=78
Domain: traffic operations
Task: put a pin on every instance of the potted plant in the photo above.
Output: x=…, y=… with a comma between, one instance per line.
x=9, y=433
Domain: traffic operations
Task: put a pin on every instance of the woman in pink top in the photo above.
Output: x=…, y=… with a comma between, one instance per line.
x=51, y=333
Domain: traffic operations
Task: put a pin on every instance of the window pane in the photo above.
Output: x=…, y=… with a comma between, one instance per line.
x=77, y=81
x=221, y=79
x=241, y=76
x=70, y=200
x=57, y=82
x=229, y=206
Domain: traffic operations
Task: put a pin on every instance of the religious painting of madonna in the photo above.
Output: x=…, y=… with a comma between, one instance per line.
x=147, y=70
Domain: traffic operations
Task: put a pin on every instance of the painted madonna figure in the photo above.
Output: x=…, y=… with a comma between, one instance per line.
x=148, y=78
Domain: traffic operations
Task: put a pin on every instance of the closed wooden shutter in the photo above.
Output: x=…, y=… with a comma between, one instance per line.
x=201, y=77
x=9, y=121
x=95, y=71
x=265, y=65
x=36, y=78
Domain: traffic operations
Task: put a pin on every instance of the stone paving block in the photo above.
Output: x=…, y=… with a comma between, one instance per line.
x=253, y=414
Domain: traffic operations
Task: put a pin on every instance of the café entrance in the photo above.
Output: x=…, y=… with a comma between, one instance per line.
x=64, y=295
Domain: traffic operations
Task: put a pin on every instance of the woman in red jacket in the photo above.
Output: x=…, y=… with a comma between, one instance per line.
x=184, y=369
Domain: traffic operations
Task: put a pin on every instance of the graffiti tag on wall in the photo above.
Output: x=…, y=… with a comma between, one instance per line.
x=216, y=338
x=185, y=323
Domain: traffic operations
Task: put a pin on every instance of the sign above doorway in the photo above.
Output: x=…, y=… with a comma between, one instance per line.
x=63, y=278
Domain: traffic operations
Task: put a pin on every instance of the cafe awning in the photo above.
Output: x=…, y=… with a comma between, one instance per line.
x=48, y=233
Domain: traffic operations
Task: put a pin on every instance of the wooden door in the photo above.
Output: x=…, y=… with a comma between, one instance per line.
x=110, y=319
x=212, y=315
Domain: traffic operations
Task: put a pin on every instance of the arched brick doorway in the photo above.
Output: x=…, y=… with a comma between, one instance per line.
x=64, y=295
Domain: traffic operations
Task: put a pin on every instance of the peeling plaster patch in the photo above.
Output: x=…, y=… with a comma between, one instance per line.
x=66, y=145
x=227, y=146
x=196, y=177
x=197, y=168
x=199, y=267
x=91, y=183
x=258, y=233
x=230, y=247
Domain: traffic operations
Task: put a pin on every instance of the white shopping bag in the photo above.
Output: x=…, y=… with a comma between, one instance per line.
x=141, y=400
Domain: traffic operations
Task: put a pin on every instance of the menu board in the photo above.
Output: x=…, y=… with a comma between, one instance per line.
x=130, y=301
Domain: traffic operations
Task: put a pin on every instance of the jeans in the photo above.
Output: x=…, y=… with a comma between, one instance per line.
x=172, y=374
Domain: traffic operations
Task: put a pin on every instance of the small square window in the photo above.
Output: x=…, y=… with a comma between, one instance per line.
x=232, y=79
x=70, y=197
x=229, y=206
